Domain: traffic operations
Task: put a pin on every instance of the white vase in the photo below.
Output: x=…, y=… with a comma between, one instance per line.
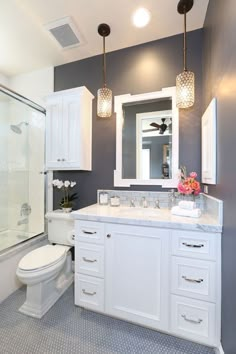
x=66, y=210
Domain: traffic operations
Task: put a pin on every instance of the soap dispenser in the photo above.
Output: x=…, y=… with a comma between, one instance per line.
x=171, y=199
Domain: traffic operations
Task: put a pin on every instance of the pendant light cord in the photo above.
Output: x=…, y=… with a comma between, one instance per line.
x=185, y=45
x=104, y=63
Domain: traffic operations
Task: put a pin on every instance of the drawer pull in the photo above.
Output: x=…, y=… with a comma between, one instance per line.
x=89, y=232
x=192, y=245
x=192, y=280
x=191, y=320
x=88, y=292
x=89, y=260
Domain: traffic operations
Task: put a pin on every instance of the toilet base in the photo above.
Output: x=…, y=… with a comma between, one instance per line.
x=41, y=297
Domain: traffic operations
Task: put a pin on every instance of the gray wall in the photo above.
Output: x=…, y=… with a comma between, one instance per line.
x=220, y=81
x=139, y=69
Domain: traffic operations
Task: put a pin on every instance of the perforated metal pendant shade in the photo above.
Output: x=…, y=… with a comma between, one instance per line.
x=104, y=102
x=104, y=94
x=185, y=84
x=185, y=81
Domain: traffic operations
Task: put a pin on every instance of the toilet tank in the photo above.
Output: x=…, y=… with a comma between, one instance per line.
x=60, y=228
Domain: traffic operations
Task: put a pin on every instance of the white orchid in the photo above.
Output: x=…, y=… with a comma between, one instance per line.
x=60, y=184
x=55, y=182
x=67, y=184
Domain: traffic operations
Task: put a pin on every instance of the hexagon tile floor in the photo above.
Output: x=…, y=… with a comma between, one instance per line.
x=67, y=329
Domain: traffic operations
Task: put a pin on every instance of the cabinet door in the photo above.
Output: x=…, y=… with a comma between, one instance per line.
x=54, y=133
x=71, y=131
x=136, y=273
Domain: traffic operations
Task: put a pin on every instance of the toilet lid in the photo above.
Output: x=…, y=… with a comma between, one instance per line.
x=43, y=257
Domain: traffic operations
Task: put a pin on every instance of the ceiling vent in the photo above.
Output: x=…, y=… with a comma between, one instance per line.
x=65, y=32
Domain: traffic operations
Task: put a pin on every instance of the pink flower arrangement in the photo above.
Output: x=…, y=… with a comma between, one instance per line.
x=188, y=184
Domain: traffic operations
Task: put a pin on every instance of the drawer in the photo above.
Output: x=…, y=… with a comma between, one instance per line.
x=89, y=231
x=193, y=319
x=89, y=292
x=89, y=259
x=193, y=244
x=193, y=278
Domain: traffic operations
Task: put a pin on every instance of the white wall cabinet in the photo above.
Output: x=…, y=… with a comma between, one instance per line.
x=166, y=279
x=69, y=130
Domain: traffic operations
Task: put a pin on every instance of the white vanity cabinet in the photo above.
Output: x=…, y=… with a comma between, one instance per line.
x=195, y=278
x=69, y=130
x=165, y=279
x=136, y=276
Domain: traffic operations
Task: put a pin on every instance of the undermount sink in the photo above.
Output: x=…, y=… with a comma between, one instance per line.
x=139, y=212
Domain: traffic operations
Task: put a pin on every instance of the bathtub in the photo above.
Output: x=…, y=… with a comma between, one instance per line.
x=9, y=238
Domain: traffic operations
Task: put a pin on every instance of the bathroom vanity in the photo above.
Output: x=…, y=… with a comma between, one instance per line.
x=149, y=267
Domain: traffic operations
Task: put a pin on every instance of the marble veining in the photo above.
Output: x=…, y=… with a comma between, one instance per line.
x=151, y=217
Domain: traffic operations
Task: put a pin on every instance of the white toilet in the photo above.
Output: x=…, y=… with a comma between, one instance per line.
x=47, y=270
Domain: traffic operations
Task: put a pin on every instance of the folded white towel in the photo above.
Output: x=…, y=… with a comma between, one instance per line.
x=195, y=213
x=189, y=205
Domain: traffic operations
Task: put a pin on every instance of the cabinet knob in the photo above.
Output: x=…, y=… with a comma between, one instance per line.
x=58, y=160
x=108, y=235
x=63, y=159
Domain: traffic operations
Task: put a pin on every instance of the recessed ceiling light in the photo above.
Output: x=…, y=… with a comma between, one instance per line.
x=141, y=17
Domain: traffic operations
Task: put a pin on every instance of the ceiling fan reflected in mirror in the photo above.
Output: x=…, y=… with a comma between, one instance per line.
x=161, y=127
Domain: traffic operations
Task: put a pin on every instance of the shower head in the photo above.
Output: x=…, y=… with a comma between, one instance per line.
x=17, y=128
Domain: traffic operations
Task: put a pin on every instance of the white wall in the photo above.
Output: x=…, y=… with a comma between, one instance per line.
x=4, y=80
x=35, y=85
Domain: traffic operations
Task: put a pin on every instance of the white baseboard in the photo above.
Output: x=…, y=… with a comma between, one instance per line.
x=219, y=350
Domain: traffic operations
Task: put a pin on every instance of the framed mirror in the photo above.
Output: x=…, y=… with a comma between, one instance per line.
x=147, y=139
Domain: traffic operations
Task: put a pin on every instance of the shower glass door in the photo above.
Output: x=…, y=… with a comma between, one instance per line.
x=22, y=208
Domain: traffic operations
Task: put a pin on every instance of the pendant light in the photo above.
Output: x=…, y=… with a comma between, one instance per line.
x=104, y=97
x=185, y=81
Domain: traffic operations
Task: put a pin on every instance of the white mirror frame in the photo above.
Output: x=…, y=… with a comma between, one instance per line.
x=118, y=103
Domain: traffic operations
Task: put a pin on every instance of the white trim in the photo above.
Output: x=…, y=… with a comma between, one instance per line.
x=118, y=102
x=49, y=202
x=208, y=146
x=219, y=350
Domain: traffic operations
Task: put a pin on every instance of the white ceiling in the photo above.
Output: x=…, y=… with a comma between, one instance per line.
x=25, y=45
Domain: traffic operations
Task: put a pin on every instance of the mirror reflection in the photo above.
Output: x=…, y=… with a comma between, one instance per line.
x=147, y=139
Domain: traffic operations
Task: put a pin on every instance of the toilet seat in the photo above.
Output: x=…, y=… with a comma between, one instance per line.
x=43, y=257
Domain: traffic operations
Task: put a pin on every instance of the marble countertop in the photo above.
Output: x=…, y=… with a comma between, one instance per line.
x=146, y=217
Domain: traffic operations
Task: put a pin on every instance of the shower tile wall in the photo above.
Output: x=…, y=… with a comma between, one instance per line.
x=17, y=166
x=36, y=166
x=3, y=165
x=23, y=158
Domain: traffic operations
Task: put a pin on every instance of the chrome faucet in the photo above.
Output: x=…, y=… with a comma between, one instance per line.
x=25, y=209
x=171, y=198
x=144, y=202
x=157, y=204
x=132, y=204
x=23, y=221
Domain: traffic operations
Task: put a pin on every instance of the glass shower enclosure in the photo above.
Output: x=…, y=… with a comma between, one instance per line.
x=22, y=179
